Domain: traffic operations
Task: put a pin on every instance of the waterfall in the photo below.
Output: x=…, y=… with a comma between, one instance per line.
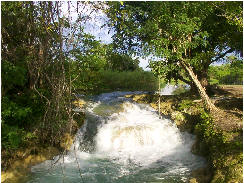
x=137, y=134
x=122, y=141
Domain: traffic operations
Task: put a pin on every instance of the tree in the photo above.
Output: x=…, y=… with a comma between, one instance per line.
x=228, y=73
x=35, y=90
x=122, y=62
x=180, y=33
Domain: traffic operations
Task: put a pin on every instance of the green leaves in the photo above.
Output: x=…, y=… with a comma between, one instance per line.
x=11, y=136
x=14, y=139
x=177, y=30
x=229, y=73
x=13, y=74
x=14, y=112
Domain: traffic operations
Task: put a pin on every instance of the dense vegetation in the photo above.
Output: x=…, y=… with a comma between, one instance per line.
x=32, y=100
x=42, y=67
x=229, y=73
x=47, y=57
x=185, y=40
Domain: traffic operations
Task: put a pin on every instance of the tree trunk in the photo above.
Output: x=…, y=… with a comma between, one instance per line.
x=207, y=102
x=203, y=79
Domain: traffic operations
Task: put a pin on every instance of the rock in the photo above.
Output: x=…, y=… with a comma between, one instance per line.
x=66, y=141
x=20, y=169
x=201, y=175
x=128, y=96
x=139, y=98
x=79, y=103
x=153, y=105
x=193, y=180
x=7, y=175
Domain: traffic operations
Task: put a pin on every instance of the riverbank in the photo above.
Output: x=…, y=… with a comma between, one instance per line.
x=221, y=145
x=18, y=162
x=219, y=136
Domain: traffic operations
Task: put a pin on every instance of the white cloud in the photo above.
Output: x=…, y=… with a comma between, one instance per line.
x=95, y=24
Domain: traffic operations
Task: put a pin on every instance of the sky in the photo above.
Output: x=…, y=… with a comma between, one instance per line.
x=95, y=26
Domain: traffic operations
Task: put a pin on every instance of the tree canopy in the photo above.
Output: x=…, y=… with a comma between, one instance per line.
x=186, y=37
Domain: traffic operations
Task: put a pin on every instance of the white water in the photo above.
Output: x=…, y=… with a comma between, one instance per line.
x=123, y=142
x=138, y=135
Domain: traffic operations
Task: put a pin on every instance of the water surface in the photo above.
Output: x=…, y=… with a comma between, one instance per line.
x=122, y=142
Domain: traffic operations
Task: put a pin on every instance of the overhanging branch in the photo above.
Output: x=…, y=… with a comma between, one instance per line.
x=223, y=55
x=184, y=80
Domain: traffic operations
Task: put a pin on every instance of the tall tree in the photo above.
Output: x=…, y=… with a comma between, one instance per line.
x=33, y=67
x=185, y=35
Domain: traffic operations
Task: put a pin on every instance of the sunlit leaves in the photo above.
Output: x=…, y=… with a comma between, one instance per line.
x=178, y=30
x=229, y=73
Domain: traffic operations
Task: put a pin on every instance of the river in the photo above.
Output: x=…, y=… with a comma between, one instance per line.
x=122, y=142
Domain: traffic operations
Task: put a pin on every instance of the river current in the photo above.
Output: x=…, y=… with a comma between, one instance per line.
x=122, y=142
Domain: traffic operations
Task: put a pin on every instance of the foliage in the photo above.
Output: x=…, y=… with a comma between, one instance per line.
x=184, y=105
x=222, y=149
x=45, y=56
x=127, y=81
x=109, y=80
x=122, y=62
x=181, y=27
x=12, y=75
x=229, y=73
x=32, y=71
x=184, y=36
x=89, y=58
x=205, y=129
x=92, y=55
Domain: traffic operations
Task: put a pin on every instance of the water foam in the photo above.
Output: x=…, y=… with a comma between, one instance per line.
x=126, y=144
x=137, y=134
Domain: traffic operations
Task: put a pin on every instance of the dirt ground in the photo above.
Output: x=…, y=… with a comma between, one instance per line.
x=233, y=90
x=229, y=99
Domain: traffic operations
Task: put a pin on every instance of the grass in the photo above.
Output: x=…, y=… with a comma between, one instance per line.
x=127, y=81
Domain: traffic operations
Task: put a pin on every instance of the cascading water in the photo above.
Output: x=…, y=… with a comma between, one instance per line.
x=122, y=141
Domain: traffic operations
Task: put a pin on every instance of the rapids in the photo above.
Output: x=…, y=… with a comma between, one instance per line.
x=122, y=141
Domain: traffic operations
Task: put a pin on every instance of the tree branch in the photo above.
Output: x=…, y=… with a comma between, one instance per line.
x=223, y=55
x=184, y=80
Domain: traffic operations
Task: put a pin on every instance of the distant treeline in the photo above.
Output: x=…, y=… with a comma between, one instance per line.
x=229, y=73
x=99, y=69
